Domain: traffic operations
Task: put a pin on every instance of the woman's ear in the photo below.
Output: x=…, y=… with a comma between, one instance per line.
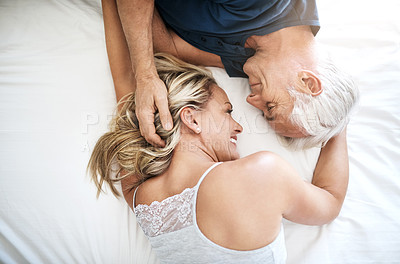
x=189, y=118
x=309, y=83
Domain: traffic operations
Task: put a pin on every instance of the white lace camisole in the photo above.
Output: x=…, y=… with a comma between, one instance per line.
x=171, y=227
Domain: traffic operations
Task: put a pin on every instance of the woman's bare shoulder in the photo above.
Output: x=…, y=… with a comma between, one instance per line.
x=255, y=164
x=237, y=192
x=253, y=171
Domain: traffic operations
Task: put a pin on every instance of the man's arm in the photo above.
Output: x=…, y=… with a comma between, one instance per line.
x=167, y=41
x=128, y=29
x=132, y=29
x=193, y=55
x=136, y=18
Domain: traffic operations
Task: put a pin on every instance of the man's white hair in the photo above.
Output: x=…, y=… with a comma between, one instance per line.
x=325, y=115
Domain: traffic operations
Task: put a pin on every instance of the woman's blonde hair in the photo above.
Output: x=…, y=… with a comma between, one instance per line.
x=123, y=152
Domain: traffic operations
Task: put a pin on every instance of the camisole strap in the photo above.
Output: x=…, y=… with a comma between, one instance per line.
x=134, y=198
x=195, y=187
x=205, y=174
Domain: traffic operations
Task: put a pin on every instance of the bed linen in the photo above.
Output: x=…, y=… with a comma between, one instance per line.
x=57, y=97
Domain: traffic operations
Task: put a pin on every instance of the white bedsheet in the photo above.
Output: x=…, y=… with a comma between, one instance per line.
x=57, y=96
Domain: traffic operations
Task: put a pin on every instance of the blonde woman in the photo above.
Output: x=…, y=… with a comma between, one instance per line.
x=195, y=199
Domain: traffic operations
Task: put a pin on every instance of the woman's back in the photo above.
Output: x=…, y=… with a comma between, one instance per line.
x=181, y=232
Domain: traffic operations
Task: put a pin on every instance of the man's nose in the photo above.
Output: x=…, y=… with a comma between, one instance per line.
x=253, y=100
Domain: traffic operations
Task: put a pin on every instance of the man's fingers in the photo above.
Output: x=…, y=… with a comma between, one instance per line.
x=165, y=115
x=155, y=140
x=151, y=94
x=147, y=129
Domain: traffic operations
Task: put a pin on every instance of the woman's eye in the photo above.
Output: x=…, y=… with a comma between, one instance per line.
x=230, y=111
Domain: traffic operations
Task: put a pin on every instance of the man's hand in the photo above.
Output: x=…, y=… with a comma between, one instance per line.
x=151, y=95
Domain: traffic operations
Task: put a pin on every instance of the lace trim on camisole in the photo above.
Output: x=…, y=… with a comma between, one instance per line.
x=171, y=214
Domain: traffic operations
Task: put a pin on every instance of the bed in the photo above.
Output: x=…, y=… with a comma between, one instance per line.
x=57, y=97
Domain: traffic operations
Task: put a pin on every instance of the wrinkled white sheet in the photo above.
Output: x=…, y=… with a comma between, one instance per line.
x=57, y=96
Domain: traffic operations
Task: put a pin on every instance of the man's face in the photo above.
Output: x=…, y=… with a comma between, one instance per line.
x=268, y=84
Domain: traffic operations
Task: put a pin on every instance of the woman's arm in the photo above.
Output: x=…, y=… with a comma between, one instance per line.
x=117, y=51
x=127, y=190
x=320, y=202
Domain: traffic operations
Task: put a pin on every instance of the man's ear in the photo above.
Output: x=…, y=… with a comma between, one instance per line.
x=188, y=117
x=309, y=83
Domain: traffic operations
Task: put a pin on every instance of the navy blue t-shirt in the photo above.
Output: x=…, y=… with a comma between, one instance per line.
x=223, y=26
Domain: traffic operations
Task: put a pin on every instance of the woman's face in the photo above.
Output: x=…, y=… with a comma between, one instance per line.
x=219, y=129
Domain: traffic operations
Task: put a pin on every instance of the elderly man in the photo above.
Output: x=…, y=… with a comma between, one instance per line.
x=303, y=96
